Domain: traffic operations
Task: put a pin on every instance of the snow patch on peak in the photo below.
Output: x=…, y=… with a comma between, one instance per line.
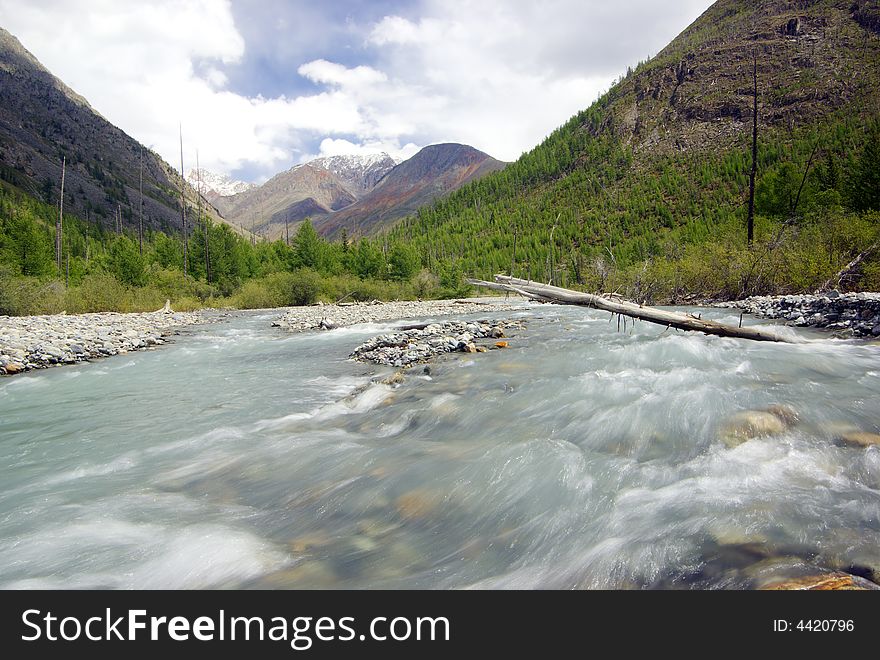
x=362, y=171
x=214, y=182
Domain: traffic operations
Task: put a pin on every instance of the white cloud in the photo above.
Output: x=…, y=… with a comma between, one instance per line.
x=342, y=147
x=502, y=75
x=322, y=71
x=499, y=75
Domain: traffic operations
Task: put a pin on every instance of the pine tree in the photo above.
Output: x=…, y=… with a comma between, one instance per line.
x=864, y=180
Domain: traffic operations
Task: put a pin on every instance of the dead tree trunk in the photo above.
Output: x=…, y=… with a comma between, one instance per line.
x=183, y=211
x=141, y=207
x=555, y=294
x=59, y=226
x=207, y=235
x=750, y=222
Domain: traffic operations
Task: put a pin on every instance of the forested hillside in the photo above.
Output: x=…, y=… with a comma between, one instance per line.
x=646, y=190
x=105, y=270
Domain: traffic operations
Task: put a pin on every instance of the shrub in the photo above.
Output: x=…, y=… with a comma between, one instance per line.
x=303, y=287
x=98, y=292
x=425, y=285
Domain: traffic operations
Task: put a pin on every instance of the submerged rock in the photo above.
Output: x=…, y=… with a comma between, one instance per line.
x=397, y=378
x=750, y=424
x=417, y=505
x=860, y=438
x=788, y=415
x=827, y=582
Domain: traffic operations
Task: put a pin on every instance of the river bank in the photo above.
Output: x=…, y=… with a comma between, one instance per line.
x=327, y=317
x=856, y=314
x=38, y=342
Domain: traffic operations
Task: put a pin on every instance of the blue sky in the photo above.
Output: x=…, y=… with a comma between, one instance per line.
x=260, y=85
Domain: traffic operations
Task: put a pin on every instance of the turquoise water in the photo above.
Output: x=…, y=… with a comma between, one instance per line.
x=241, y=456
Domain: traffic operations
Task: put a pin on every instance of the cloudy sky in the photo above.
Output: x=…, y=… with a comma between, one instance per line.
x=260, y=85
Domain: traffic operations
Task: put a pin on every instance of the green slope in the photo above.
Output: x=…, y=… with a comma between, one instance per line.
x=646, y=190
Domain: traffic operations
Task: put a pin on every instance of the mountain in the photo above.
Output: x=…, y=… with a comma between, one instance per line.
x=660, y=163
x=432, y=172
x=308, y=189
x=359, y=173
x=42, y=121
x=215, y=184
x=359, y=193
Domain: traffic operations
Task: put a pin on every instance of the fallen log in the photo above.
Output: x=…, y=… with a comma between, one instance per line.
x=679, y=320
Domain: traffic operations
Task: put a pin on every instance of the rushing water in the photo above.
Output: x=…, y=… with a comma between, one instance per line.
x=580, y=456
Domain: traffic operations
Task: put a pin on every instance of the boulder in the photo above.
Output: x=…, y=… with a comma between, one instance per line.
x=750, y=424
x=788, y=415
x=859, y=438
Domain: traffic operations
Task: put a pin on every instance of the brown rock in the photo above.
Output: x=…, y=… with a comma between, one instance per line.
x=397, y=378
x=788, y=415
x=309, y=542
x=501, y=344
x=14, y=368
x=827, y=582
x=860, y=438
x=750, y=424
x=417, y=505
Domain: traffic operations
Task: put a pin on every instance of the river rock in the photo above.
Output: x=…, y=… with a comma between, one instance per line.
x=786, y=414
x=857, y=314
x=37, y=342
x=417, y=505
x=309, y=542
x=401, y=349
x=750, y=424
x=826, y=582
x=300, y=319
x=859, y=438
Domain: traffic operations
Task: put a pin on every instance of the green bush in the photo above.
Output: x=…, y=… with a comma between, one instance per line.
x=98, y=292
x=303, y=287
x=254, y=294
x=20, y=296
x=425, y=285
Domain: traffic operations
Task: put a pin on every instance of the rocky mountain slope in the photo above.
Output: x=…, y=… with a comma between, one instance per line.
x=432, y=172
x=42, y=121
x=358, y=193
x=311, y=189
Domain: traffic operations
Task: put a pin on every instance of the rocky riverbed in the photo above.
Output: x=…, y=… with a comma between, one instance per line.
x=855, y=314
x=327, y=317
x=401, y=349
x=38, y=342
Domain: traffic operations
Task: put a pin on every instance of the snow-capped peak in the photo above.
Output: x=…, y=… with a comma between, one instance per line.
x=360, y=170
x=220, y=184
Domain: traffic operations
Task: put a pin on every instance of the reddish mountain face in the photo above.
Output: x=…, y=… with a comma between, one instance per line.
x=432, y=172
